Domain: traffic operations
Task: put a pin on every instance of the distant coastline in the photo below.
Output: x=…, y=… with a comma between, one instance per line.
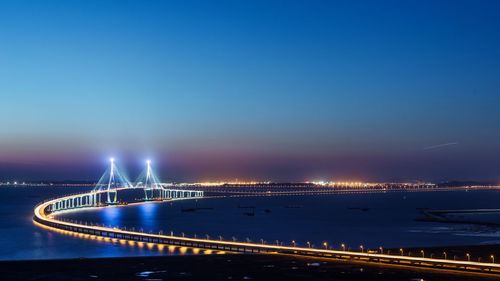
x=274, y=186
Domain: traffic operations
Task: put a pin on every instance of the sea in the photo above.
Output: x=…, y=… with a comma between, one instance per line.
x=381, y=219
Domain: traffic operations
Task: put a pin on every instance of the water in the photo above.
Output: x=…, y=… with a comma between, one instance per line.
x=372, y=220
x=21, y=239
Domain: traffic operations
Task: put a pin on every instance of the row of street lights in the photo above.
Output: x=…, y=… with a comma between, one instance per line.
x=309, y=245
x=381, y=249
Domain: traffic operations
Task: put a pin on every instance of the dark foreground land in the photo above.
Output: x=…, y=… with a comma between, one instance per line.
x=219, y=267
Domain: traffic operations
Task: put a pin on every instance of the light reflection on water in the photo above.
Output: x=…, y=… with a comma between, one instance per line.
x=148, y=214
x=111, y=216
x=151, y=247
x=388, y=221
x=29, y=241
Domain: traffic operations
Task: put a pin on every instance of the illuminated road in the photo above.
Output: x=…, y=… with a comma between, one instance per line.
x=43, y=217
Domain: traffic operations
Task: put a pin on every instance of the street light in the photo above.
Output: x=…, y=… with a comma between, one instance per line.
x=492, y=258
x=362, y=248
x=294, y=244
x=423, y=253
x=308, y=244
x=381, y=250
x=445, y=255
x=468, y=256
x=401, y=250
x=343, y=246
x=326, y=245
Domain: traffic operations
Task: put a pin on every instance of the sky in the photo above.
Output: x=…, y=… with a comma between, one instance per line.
x=251, y=90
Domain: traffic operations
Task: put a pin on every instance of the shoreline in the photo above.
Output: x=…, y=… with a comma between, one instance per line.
x=221, y=267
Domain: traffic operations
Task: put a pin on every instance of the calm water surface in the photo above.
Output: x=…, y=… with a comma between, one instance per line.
x=373, y=220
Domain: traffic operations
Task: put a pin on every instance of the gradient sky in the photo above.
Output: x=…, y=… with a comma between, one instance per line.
x=268, y=90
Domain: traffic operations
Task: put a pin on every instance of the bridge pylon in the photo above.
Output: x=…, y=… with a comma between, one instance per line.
x=112, y=179
x=148, y=181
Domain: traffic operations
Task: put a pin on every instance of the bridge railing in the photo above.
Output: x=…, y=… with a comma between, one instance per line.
x=94, y=198
x=41, y=217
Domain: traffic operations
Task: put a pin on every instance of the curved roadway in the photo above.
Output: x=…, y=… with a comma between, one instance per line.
x=43, y=217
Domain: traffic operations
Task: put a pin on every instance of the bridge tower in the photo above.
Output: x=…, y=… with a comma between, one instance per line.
x=149, y=182
x=110, y=181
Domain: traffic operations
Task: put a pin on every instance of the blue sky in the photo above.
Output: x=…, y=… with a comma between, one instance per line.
x=274, y=90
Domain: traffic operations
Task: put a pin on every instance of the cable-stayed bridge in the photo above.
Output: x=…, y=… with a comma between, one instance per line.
x=114, y=180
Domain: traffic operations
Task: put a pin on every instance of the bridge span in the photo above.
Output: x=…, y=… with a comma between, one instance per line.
x=44, y=214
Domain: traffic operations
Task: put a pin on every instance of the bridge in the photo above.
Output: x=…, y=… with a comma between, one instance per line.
x=113, y=181
x=45, y=216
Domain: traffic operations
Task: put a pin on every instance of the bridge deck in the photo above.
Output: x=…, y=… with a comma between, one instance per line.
x=41, y=216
